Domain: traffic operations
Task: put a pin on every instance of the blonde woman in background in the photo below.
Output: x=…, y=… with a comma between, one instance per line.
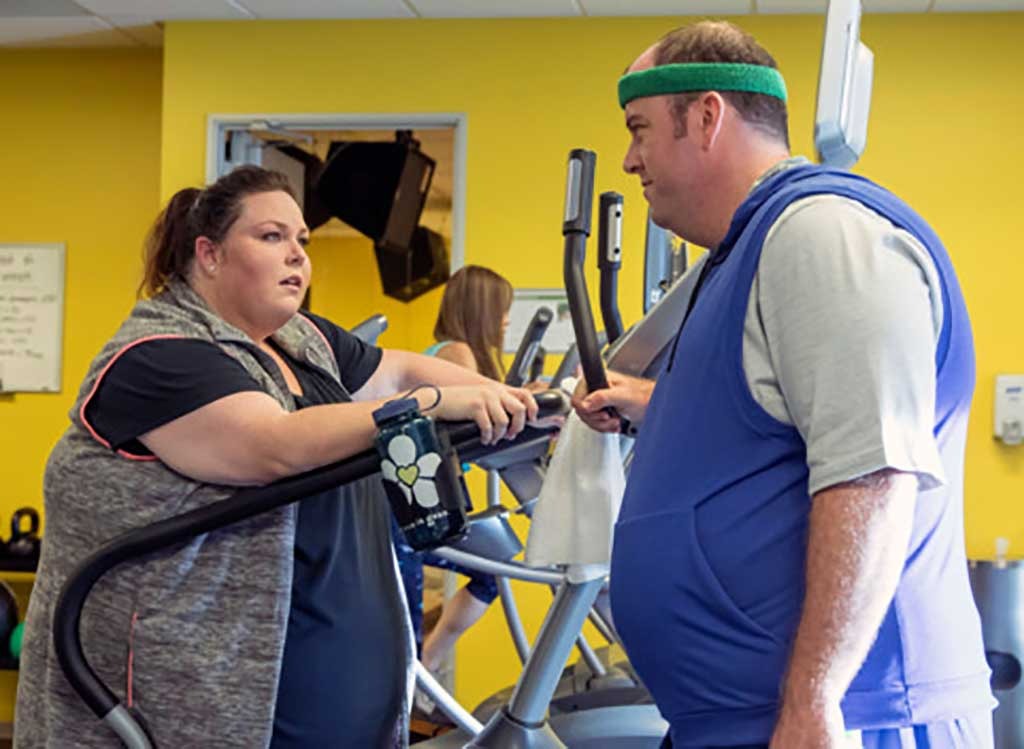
x=472, y=321
x=469, y=331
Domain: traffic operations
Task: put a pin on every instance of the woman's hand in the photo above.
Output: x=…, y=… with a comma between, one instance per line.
x=500, y=411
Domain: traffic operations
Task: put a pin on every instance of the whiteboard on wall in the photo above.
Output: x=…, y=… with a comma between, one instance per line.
x=525, y=303
x=31, y=317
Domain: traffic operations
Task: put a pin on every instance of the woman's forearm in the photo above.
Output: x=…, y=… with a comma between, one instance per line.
x=399, y=371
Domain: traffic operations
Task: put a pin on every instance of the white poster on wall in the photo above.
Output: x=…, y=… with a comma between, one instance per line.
x=31, y=317
x=525, y=303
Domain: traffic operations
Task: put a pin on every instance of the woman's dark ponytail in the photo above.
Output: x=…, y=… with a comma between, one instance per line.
x=194, y=213
x=169, y=245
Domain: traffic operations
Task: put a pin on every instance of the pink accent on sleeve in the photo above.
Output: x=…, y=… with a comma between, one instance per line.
x=96, y=385
x=131, y=656
x=140, y=458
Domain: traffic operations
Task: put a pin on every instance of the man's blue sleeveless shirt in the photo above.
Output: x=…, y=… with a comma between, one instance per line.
x=710, y=547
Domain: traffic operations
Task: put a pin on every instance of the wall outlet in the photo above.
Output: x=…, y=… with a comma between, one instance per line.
x=1009, y=409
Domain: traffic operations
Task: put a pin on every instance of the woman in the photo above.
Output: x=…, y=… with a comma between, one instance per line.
x=472, y=320
x=470, y=328
x=286, y=630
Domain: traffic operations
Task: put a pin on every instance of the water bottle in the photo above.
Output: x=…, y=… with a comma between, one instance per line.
x=421, y=475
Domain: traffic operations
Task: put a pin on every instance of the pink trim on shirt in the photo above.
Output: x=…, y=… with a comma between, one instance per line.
x=141, y=458
x=131, y=656
x=96, y=385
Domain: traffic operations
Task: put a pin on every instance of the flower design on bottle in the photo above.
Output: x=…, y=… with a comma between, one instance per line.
x=414, y=476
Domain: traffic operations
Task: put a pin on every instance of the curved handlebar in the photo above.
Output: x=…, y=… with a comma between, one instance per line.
x=245, y=503
x=527, y=351
x=576, y=228
x=581, y=188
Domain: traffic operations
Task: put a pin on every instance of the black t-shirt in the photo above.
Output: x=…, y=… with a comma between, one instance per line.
x=159, y=380
x=338, y=623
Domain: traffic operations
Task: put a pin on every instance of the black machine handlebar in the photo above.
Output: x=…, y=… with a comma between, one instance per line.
x=537, y=364
x=520, y=371
x=609, y=260
x=571, y=360
x=245, y=503
x=579, y=194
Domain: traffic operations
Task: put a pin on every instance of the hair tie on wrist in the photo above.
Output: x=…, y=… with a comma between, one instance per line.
x=437, y=392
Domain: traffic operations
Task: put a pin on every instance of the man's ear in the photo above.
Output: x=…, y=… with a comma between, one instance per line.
x=711, y=107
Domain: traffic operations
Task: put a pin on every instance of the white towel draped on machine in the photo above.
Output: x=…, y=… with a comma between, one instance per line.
x=574, y=518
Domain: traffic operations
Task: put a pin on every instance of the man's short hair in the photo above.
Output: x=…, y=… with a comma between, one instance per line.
x=721, y=41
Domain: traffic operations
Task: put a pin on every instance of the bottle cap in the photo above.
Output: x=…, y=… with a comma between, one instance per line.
x=397, y=407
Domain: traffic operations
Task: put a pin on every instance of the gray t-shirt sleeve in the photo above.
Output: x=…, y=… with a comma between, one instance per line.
x=839, y=340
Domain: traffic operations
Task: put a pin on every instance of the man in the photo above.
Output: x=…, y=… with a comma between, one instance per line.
x=789, y=561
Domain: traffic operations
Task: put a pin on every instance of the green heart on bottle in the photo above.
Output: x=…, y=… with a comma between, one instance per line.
x=408, y=474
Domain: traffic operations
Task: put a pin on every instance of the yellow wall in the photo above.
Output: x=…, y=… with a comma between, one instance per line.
x=346, y=288
x=79, y=159
x=945, y=119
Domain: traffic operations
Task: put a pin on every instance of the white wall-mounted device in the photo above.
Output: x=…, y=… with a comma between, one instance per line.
x=1009, y=409
x=844, y=87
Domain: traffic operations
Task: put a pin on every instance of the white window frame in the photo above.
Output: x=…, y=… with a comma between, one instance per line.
x=218, y=126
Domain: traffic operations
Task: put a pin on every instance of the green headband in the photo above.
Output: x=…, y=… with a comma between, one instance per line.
x=679, y=78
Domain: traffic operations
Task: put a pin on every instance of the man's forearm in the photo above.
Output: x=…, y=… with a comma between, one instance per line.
x=859, y=534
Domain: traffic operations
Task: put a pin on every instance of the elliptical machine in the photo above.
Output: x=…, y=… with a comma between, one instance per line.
x=245, y=503
x=602, y=677
x=524, y=721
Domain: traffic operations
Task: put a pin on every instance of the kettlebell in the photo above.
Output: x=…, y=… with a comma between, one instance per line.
x=14, y=644
x=24, y=544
